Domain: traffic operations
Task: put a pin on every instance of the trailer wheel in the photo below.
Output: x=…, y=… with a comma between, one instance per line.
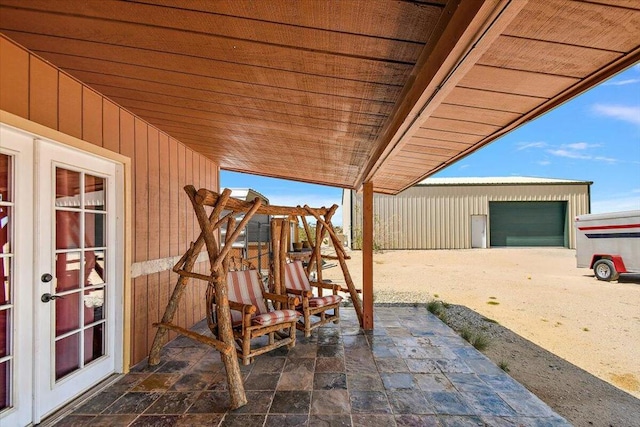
x=605, y=270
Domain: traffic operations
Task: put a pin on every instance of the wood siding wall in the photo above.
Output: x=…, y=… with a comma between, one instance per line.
x=439, y=217
x=163, y=222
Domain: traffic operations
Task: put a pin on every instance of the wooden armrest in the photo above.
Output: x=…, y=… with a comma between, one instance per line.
x=307, y=294
x=243, y=308
x=324, y=285
x=289, y=301
x=347, y=290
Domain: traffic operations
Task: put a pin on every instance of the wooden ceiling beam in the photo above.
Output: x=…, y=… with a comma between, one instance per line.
x=465, y=32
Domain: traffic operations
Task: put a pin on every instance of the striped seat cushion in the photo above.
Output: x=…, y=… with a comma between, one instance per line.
x=322, y=301
x=275, y=317
x=245, y=287
x=295, y=277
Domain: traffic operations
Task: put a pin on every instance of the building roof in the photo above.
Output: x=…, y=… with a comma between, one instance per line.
x=388, y=92
x=502, y=180
x=247, y=194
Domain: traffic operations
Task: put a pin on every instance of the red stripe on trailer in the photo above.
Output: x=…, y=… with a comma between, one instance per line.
x=609, y=227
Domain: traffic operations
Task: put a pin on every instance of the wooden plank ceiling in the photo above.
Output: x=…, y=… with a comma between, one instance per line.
x=339, y=92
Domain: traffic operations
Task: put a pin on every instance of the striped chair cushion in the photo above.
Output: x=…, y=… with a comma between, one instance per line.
x=322, y=301
x=274, y=317
x=295, y=277
x=245, y=287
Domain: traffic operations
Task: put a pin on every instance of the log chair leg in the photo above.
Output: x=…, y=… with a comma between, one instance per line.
x=292, y=335
x=246, y=349
x=307, y=323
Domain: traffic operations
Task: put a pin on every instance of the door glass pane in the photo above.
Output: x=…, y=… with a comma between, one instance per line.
x=67, y=230
x=6, y=259
x=67, y=355
x=93, y=343
x=5, y=384
x=93, y=304
x=94, y=268
x=81, y=225
x=67, y=271
x=67, y=313
x=5, y=178
x=5, y=229
x=67, y=188
x=94, y=230
x=94, y=193
x=5, y=280
x=5, y=332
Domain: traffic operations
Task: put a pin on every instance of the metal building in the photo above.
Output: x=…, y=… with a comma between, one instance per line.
x=462, y=213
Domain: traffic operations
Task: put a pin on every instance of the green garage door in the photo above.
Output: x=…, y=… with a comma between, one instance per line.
x=528, y=223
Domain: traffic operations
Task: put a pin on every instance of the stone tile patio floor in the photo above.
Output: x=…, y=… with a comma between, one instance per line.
x=413, y=370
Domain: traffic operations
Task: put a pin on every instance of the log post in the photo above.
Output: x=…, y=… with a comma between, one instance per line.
x=282, y=259
x=318, y=255
x=225, y=333
x=367, y=255
x=275, y=256
x=318, y=216
x=353, y=293
x=189, y=261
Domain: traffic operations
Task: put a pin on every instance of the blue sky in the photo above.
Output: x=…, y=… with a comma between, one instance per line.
x=594, y=137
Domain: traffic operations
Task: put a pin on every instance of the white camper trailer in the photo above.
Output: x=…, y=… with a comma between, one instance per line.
x=609, y=243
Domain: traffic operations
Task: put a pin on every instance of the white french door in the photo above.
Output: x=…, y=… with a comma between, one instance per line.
x=69, y=283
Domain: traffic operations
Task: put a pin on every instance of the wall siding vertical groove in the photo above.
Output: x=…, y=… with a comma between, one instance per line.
x=36, y=90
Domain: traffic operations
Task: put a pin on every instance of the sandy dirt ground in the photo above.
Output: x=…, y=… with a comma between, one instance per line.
x=538, y=293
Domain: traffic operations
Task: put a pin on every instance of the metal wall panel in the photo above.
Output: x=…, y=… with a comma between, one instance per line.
x=439, y=217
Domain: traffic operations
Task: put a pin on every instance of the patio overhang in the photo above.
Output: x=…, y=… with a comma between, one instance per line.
x=335, y=93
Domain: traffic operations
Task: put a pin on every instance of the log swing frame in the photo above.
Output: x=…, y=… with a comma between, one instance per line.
x=219, y=257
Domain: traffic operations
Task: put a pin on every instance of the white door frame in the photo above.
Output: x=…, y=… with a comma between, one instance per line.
x=479, y=234
x=27, y=396
x=20, y=147
x=49, y=393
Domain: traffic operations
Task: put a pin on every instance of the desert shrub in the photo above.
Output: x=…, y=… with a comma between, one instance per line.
x=480, y=341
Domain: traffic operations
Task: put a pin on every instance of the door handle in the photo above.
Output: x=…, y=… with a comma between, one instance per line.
x=48, y=297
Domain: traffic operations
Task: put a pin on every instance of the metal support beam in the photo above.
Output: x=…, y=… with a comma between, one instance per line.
x=367, y=256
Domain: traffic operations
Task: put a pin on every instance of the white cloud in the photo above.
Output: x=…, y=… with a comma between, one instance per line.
x=579, y=151
x=569, y=153
x=622, y=82
x=544, y=162
x=625, y=113
x=605, y=159
x=463, y=166
x=581, y=145
x=527, y=145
